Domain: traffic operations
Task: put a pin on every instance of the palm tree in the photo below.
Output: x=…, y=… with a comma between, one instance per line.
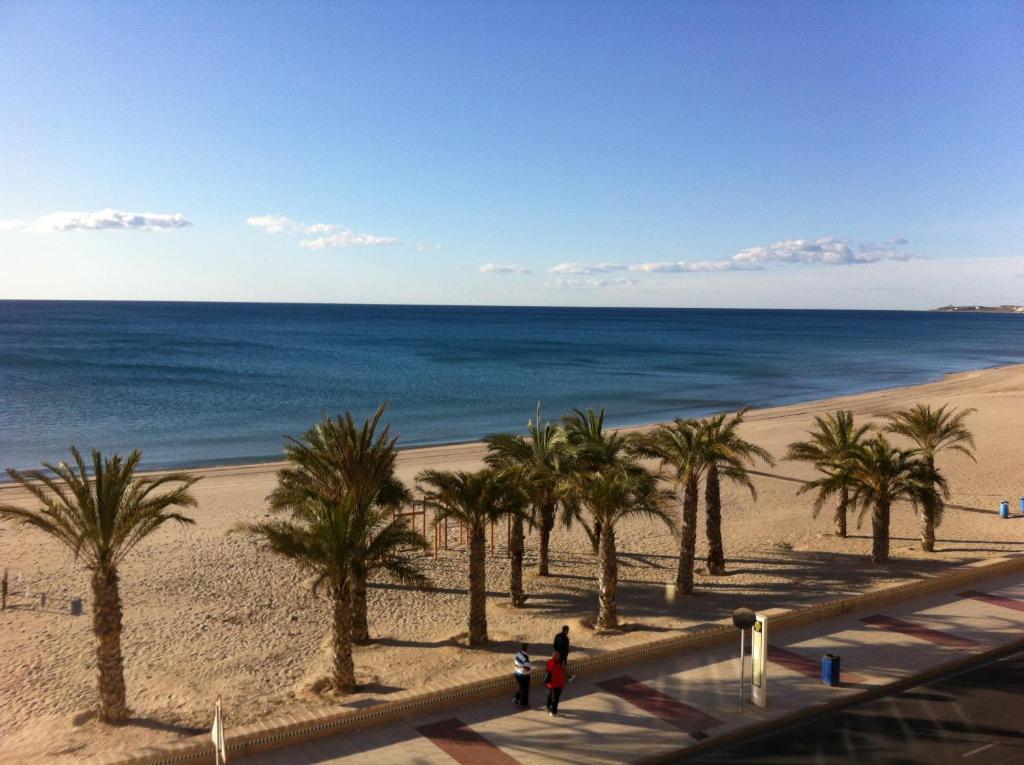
x=679, y=445
x=608, y=496
x=101, y=518
x=337, y=460
x=828, y=448
x=727, y=456
x=540, y=458
x=933, y=431
x=477, y=500
x=326, y=538
x=881, y=474
x=592, y=449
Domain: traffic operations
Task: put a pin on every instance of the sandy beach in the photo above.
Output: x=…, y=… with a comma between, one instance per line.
x=208, y=614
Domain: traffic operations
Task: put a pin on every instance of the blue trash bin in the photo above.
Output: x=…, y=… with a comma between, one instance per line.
x=830, y=669
x=1022, y=505
x=1004, y=509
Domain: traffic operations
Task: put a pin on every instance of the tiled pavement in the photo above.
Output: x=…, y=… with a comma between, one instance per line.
x=651, y=709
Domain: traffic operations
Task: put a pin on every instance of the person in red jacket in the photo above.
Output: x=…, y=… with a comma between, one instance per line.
x=555, y=682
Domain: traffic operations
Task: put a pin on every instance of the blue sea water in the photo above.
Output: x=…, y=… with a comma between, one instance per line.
x=205, y=383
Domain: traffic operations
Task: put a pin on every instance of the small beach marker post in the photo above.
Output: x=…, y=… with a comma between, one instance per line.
x=744, y=619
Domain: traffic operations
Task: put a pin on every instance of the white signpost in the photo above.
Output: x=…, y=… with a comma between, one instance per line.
x=759, y=659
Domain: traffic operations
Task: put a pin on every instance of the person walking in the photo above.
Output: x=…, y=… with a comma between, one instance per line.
x=555, y=681
x=561, y=645
x=522, y=697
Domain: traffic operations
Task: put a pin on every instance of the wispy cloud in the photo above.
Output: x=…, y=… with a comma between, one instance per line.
x=273, y=224
x=423, y=247
x=346, y=238
x=585, y=268
x=692, y=266
x=595, y=283
x=334, y=235
x=829, y=250
x=495, y=268
x=98, y=221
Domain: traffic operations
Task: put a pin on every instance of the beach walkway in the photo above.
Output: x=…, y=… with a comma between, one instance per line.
x=651, y=711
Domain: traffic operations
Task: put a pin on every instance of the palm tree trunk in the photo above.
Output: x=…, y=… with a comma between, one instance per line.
x=547, y=524
x=360, y=626
x=515, y=588
x=607, y=581
x=597, y=536
x=880, y=533
x=344, y=670
x=928, y=518
x=927, y=528
x=477, y=587
x=844, y=501
x=688, y=538
x=106, y=628
x=713, y=507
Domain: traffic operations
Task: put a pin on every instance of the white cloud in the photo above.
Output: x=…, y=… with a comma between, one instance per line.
x=335, y=235
x=273, y=224
x=829, y=250
x=585, y=268
x=321, y=228
x=692, y=266
x=595, y=283
x=346, y=238
x=494, y=268
x=421, y=247
x=98, y=221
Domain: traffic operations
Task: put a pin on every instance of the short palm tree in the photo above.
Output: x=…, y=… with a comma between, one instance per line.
x=540, y=458
x=880, y=474
x=608, y=496
x=592, y=449
x=933, y=431
x=828, y=448
x=101, y=517
x=477, y=500
x=678, y=445
x=337, y=460
x=729, y=456
x=326, y=537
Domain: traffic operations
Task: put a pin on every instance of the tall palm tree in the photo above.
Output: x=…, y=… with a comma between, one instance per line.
x=592, y=449
x=880, y=474
x=727, y=456
x=540, y=458
x=477, y=500
x=933, y=431
x=101, y=518
x=608, y=496
x=325, y=537
x=828, y=448
x=337, y=460
x=679, y=446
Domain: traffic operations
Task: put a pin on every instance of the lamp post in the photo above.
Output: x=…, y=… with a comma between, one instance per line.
x=744, y=619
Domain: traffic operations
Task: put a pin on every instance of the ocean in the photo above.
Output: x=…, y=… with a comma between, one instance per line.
x=214, y=383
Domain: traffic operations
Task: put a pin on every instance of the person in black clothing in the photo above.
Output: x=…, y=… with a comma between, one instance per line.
x=561, y=644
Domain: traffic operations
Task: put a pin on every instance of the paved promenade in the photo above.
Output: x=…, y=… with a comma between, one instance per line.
x=650, y=710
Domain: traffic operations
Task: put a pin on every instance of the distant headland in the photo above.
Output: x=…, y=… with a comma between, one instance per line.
x=981, y=309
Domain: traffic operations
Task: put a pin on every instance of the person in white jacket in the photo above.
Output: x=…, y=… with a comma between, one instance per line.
x=522, y=697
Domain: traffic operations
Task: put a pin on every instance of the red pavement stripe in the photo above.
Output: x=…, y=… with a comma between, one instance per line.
x=464, y=745
x=916, y=630
x=995, y=600
x=664, y=707
x=800, y=663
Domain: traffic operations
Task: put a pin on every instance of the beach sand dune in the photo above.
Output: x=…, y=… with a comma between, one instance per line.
x=208, y=614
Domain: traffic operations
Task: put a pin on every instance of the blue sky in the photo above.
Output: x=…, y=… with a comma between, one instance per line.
x=719, y=154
